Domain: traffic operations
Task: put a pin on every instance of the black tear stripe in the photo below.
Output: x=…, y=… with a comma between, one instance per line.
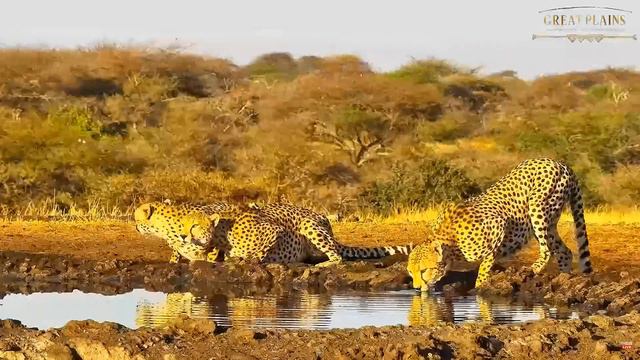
x=151, y=211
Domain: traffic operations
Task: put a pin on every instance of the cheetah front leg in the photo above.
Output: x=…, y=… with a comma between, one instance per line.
x=485, y=269
x=175, y=257
x=493, y=231
x=212, y=255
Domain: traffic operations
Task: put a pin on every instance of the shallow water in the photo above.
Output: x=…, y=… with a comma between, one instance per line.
x=294, y=310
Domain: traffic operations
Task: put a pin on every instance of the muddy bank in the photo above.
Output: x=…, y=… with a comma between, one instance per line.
x=598, y=336
x=585, y=293
x=28, y=273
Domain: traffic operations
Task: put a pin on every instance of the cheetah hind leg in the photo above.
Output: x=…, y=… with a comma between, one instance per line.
x=328, y=263
x=560, y=251
x=270, y=236
x=322, y=238
x=541, y=228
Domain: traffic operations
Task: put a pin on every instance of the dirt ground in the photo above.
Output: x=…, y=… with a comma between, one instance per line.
x=113, y=258
x=613, y=247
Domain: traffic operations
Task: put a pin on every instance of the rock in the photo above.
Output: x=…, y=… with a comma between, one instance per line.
x=193, y=326
x=12, y=355
x=89, y=349
x=490, y=343
x=602, y=321
x=632, y=318
x=59, y=352
x=247, y=335
x=93, y=349
x=623, y=274
x=600, y=347
x=536, y=345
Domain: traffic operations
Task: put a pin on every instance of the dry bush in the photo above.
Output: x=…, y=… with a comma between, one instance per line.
x=426, y=71
x=622, y=188
x=91, y=131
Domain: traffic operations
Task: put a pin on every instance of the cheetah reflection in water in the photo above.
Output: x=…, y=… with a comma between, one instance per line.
x=296, y=310
x=428, y=310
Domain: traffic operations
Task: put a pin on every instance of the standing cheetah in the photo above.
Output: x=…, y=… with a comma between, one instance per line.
x=497, y=223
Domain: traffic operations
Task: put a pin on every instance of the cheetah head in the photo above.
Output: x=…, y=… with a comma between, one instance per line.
x=427, y=264
x=181, y=223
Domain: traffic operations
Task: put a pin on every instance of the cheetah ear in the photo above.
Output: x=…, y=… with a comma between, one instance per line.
x=215, y=218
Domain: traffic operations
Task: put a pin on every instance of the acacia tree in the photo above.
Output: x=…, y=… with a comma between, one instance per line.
x=361, y=135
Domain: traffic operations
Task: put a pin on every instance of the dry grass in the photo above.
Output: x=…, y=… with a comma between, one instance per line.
x=612, y=245
x=50, y=211
x=595, y=216
x=97, y=213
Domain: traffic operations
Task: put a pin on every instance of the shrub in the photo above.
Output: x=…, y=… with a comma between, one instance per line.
x=622, y=188
x=114, y=126
x=427, y=184
x=425, y=71
x=274, y=66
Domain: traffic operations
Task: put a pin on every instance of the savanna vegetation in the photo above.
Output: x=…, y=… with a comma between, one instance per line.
x=100, y=130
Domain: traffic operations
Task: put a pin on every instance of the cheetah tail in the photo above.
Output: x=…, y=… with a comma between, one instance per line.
x=577, y=211
x=350, y=252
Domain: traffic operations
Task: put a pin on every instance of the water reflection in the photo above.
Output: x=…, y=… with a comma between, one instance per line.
x=296, y=310
x=430, y=310
x=315, y=311
x=293, y=310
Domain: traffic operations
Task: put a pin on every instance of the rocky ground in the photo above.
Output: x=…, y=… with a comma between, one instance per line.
x=608, y=302
x=593, y=337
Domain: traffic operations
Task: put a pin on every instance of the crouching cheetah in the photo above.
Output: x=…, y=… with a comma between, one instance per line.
x=178, y=225
x=276, y=233
x=285, y=233
x=497, y=223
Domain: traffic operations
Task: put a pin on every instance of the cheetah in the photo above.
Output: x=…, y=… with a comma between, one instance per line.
x=197, y=232
x=497, y=223
x=315, y=231
x=174, y=306
x=285, y=233
x=179, y=224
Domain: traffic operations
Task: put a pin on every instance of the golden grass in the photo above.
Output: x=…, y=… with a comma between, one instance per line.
x=592, y=216
x=96, y=213
x=48, y=211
